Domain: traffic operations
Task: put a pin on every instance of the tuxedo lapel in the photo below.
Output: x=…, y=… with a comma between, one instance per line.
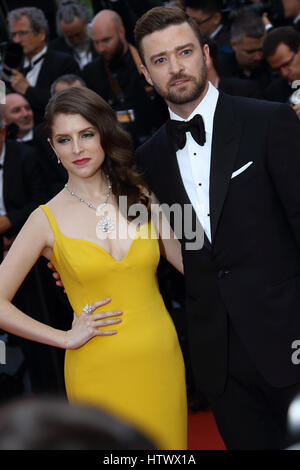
x=172, y=170
x=225, y=142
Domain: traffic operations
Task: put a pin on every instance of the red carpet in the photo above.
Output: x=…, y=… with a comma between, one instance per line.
x=203, y=433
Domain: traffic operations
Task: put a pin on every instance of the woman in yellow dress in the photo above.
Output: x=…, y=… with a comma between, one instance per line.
x=122, y=352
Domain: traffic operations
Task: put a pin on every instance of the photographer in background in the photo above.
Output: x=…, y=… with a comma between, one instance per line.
x=282, y=52
x=208, y=16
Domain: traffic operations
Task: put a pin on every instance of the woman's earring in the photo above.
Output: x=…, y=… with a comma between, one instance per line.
x=58, y=160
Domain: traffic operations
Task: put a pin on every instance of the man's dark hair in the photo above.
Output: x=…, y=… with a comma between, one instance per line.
x=159, y=18
x=208, y=7
x=284, y=35
x=68, y=78
x=248, y=23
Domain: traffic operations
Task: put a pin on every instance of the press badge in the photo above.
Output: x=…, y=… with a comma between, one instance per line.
x=125, y=116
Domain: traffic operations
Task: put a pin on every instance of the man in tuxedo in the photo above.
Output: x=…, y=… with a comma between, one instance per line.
x=28, y=27
x=231, y=85
x=72, y=29
x=17, y=110
x=282, y=52
x=21, y=185
x=247, y=35
x=237, y=163
x=208, y=16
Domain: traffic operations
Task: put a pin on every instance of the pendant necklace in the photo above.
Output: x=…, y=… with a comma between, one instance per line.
x=105, y=224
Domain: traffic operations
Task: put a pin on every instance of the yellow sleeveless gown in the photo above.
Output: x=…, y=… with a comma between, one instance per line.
x=137, y=374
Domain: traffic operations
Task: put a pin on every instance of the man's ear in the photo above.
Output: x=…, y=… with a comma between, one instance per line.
x=146, y=74
x=206, y=54
x=232, y=43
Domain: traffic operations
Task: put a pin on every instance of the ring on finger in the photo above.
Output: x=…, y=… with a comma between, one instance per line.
x=87, y=308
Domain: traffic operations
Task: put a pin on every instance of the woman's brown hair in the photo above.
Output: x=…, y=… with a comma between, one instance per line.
x=118, y=164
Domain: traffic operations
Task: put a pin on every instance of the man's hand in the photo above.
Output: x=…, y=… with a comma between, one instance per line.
x=296, y=108
x=55, y=275
x=18, y=82
x=5, y=224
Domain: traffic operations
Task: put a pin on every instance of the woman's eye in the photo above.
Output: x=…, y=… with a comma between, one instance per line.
x=62, y=140
x=88, y=134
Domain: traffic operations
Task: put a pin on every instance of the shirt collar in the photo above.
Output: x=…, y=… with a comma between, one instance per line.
x=35, y=58
x=215, y=32
x=206, y=108
x=296, y=19
x=2, y=154
x=27, y=137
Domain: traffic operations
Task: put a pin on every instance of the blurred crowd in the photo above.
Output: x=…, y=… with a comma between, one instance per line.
x=50, y=45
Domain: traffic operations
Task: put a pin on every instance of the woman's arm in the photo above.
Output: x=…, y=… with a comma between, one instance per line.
x=170, y=246
x=33, y=239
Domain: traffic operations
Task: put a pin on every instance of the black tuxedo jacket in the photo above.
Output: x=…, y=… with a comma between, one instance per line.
x=59, y=44
x=54, y=65
x=54, y=175
x=279, y=90
x=250, y=273
x=23, y=186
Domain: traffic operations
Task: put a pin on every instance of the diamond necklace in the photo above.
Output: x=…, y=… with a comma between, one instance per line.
x=105, y=223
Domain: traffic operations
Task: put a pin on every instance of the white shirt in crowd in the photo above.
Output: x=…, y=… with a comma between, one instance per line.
x=33, y=74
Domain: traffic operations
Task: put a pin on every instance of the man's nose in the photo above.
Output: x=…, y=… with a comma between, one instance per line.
x=17, y=38
x=175, y=66
x=258, y=56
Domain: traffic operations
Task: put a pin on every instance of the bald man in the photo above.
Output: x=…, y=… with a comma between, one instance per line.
x=18, y=110
x=116, y=76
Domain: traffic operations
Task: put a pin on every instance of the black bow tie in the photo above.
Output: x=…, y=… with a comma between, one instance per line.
x=28, y=68
x=177, y=131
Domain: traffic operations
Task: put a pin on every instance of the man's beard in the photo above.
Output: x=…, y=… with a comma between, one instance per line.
x=181, y=96
x=115, y=55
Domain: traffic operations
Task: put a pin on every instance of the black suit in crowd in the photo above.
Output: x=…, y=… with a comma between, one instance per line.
x=23, y=186
x=279, y=90
x=239, y=87
x=150, y=112
x=60, y=44
x=243, y=289
x=229, y=67
x=54, y=175
x=54, y=65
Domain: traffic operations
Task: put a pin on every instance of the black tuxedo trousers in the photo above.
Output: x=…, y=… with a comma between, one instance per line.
x=248, y=278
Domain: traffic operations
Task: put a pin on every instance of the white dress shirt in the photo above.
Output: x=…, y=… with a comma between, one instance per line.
x=33, y=74
x=296, y=19
x=2, y=206
x=26, y=137
x=194, y=159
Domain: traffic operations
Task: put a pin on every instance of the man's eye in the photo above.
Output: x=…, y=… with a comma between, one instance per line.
x=186, y=51
x=160, y=60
